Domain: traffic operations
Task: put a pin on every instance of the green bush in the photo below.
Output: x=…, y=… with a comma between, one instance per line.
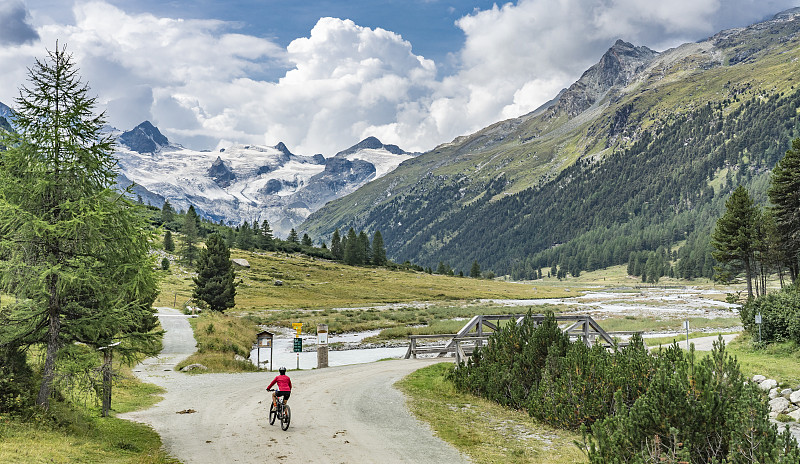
x=692, y=412
x=780, y=316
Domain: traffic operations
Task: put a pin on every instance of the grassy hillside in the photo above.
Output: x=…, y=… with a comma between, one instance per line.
x=310, y=283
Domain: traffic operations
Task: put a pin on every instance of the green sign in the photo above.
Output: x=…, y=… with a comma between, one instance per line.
x=298, y=345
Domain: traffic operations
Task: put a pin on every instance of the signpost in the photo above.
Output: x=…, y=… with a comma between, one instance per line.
x=298, y=342
x=686, y=327
x=322, y=346
x=758, y=321
x=264, y=340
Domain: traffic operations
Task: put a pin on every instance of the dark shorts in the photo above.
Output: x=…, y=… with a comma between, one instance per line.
x=284, y=394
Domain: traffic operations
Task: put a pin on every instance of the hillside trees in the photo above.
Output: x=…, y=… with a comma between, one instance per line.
x=215, y=282
x=784, y=193
x=75, y=252
x=189, y=237
x=378, y=249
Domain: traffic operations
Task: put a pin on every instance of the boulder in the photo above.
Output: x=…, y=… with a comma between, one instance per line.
x=774, y=393
x=759, y=378
x=786, y=392
x=239, y=357
x=768, y=384
x=278, y=283
x=794, y=397
x=192, y=367
x=795, y=415
x=778, y=405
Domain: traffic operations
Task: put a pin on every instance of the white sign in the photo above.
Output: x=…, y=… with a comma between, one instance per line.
x=685, y=325
x=322, y=338
x=758, y=318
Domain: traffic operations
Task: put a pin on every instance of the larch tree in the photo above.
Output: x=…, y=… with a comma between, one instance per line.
x=189, y=238
x=336, y=246
x=215, y=283
x=76, y=252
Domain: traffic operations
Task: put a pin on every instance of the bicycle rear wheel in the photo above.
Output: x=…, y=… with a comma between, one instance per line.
x=272, y=413
x=287, y=416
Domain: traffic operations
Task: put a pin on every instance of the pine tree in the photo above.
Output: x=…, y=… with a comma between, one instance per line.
x=475, y=270
x=189, y=238
x=336, y=246
x=378, y=249
x=167, y=213
x=169, y=243
x=734, y=238
x=784, y=193
x=215, y=281
x=293, y=238
x=267, y=240
x=244, y=239
x=306, y=241
x=351, y=253
x=76, y=253
x=364, y=250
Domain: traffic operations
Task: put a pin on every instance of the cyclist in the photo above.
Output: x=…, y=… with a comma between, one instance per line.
x=284, y=387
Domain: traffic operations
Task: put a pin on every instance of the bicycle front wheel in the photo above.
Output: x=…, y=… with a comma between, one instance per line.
x=287, y=416
x=272, y=413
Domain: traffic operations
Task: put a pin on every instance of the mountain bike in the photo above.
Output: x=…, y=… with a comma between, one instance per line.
x=282, y=412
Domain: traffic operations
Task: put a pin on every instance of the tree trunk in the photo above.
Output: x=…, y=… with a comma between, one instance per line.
x=49, y=370
x=107, y=370
x=749, y=273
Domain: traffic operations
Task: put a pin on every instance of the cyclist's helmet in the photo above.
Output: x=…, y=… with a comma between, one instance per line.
x=282, y=370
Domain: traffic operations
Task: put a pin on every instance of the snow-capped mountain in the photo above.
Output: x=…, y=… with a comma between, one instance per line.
x=247, y=182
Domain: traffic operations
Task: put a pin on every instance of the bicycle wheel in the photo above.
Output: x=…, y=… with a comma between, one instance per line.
x=287, y=416
x=272, y=413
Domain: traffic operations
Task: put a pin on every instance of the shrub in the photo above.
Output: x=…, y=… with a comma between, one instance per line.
x=780, y=316
x=692, y=412
x=16, y=381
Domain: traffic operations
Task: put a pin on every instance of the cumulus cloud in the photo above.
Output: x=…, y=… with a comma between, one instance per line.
x=200, y=83
x=15, y=28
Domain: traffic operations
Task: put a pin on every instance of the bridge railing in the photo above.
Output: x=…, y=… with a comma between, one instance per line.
x=474, y=335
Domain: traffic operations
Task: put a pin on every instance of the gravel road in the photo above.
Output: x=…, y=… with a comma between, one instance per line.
x=339, y=415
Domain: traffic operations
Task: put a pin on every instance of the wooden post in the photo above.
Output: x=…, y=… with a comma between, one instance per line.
x=322, y=346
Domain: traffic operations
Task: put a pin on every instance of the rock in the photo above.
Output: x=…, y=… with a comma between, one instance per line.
x=795, y=397
x=795, y=415
x=239, y=357
x=768, y=384
x=774, y=393
x=778, y=405
x=278, y=283
x=759, y=378
x=241, y=262
x=144, y=138
x=786, y=392
x=192, y=367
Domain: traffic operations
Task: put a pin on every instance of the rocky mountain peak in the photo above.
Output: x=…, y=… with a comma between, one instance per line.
x=616, y=68
x=144, y=138
x=371, y=143
x=221, y=172
x=281, y=147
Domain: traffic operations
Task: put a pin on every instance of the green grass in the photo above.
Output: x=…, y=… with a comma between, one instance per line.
x=779, y=361
x=73, y=433
x=647, y=324
x=219, y=338
x=485, y=431
x=310, y=283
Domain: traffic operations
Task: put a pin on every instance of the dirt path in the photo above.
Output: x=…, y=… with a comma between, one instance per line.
x=340, y=414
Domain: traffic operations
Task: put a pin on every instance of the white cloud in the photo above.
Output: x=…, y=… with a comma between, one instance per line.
x=200, y=83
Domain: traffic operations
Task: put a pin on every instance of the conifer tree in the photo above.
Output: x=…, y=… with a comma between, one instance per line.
x=189, y=238
x=293, y=237
x=351, y=253
x=244, y=239
x=734, y=238
x=364, y=251
x=75, y=252
x=167, y=213
x=306, y=241
x=215, y=281
x=336, y=246
x=475, y=270
x=784, y=193
x=169, y=243
x=267, y=240
x=378, y=249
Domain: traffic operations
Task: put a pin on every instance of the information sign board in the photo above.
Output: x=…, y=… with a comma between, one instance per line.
x=298, y=345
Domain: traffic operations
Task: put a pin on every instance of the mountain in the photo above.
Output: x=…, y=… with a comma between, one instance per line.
x=638, y=154
x=247, y=182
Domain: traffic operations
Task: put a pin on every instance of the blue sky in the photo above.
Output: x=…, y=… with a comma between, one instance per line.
x=322, y=75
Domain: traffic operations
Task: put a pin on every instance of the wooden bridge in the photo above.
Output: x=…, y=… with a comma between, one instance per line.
x=473, y=334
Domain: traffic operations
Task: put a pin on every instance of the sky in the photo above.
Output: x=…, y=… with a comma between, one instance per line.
x=321, y=75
